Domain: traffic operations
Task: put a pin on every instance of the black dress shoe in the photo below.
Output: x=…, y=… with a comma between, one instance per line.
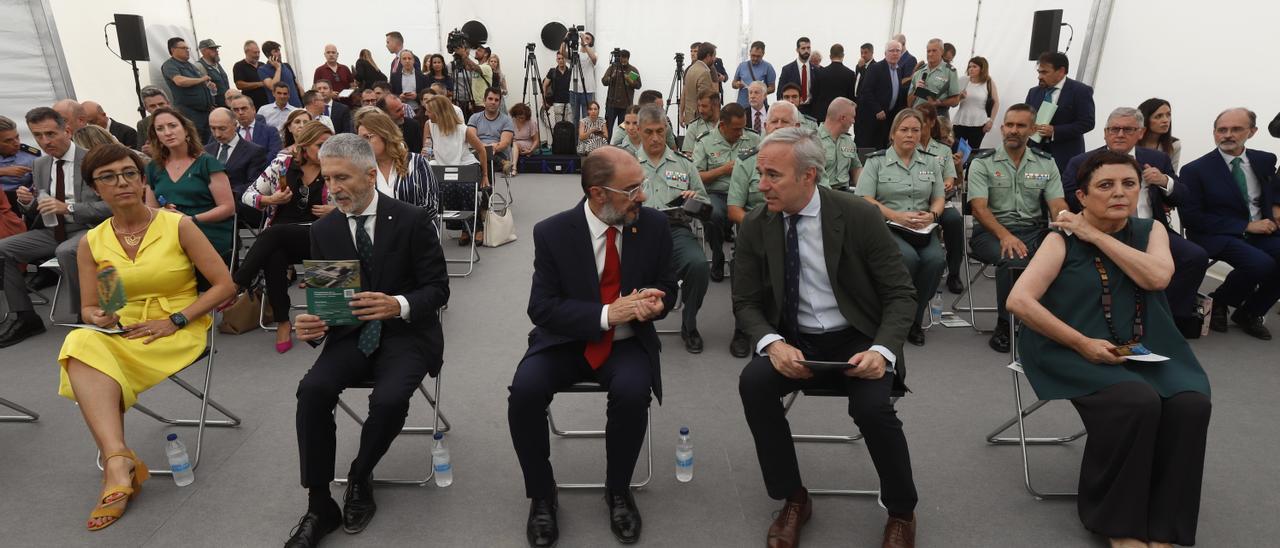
x=954, y=285
x=916, y=335
x=314, y=526
x=1252, y=325
x=740, y=347
x=1189, y=326
x=717, y=268
x=358, y=506
x=624, y=517
x=21, y=330
x=692, y=341
x=1218, y=318
x=542, y=530
x=1000, y=337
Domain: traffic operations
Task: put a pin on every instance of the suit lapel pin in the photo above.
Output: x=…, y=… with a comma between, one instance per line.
x=633, y=230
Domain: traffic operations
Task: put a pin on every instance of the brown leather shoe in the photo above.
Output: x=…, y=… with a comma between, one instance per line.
x=785, y=531
x=899, y=533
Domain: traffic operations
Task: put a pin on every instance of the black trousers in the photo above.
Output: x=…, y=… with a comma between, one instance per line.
x=612, y=117
x=397, y=368
x=762, y=388
x=627, y=377
x=972, y=134
x=1143, y=462
x=1190, y=263
x=276, y=248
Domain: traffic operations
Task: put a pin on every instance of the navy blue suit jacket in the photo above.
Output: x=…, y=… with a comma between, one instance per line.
x=875, y=95
x=1145, y=157
x=1213, y=209
x=1073, y=119
x=244, y=165
x=267, y=137
x=341, y=117
x=564, y=301
x=791, y=75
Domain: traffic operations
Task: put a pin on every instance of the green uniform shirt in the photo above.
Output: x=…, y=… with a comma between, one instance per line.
x=620, y=135
x=808, y=123
x=902, y=187
x=943, y=152
x=744, y=184
x=943, y=81
x=1014, y=193
x=695, y=131
x=842, y=157
x=625, y=144
x=713, y=151
x=665, y=180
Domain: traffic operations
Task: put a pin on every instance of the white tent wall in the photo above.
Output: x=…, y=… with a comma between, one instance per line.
x=322, y=22
x=849, y=24
x=25, y=79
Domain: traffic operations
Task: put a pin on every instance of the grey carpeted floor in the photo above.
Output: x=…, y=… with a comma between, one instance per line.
x=246, y=491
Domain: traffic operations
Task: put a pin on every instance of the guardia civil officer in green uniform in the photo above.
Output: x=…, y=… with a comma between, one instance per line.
x=706, y=123
x=745, y=195
x=670, y=177
x=630, y=134
x=952, y=221
x=714, y=156
x=935, y=82
x=791, y=94
x=1007, y=187
x=907, y=183
x=843, y=164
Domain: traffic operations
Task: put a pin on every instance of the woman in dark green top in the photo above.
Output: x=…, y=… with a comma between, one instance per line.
x=1086, y=297
x=185, y=179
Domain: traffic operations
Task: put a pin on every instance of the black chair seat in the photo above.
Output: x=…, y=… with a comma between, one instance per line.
x=825, y=392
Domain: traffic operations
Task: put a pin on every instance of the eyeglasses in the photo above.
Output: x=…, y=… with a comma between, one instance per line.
x=1119, y=130
x=129, y=176
x=631, y=194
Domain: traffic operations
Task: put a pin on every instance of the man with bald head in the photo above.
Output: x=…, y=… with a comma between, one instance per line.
x=883, y=94
x=73, y=112
x=98, y=117
x=243, y=159
x=337, y=74
x=907, y=63
x=1231, y=210
x=843, y=166
x=593, y=322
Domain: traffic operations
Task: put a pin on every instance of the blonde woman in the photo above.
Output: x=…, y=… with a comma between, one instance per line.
x=91, y=136
x=449, y=136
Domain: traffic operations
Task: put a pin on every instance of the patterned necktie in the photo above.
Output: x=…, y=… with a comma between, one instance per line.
x=245, y=134
x=791, y=280
x=60, y=194
x=371, y=331
x=1237, y=173
x=757, y=125
x=610, y=286
x=222, y=153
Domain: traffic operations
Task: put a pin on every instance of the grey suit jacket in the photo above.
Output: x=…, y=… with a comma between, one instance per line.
x=90, y=209
x=872, y=286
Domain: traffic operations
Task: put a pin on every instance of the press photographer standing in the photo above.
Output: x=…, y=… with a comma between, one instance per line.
x=585, y=92
x=623, y=80
x=470, y=78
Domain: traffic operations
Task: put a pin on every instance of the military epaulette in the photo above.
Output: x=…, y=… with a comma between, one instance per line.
x=1041, y=153
x=748, y=153
x=985, y=153
x=925, y=152
x=29, y=149
x=810, y=118
x=878, y=153
x=751, y=130
x=704, y=134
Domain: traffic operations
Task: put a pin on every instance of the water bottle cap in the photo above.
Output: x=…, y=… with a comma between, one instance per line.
x=171, y=437
x=684, y=430
x=438, y=435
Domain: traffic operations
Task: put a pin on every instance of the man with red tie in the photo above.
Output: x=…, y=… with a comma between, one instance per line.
x=801, y=72
x=602, y=275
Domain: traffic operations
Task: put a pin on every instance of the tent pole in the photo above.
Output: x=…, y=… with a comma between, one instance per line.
x=895, y=17
x=1094, y=41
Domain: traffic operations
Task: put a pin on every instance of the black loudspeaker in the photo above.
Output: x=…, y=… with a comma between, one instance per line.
x=132, y=37
x=1045, y=31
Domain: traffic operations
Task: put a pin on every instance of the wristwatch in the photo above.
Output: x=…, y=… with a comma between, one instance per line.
x=71, y=208
x=178, y=319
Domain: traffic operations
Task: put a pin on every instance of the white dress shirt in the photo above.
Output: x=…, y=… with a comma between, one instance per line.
x=1144, y=197
x=231, y=146
x=1250, y=179
x=819, y=312
x=597, y=228
x=387, y=184
x=369, y=223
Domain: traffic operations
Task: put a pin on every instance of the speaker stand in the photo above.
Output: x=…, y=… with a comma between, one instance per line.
x=137, y=88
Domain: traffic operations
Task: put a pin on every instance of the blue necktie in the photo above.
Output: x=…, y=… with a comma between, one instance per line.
x=893, y=79
x=326, y=110
x=371, y=331
x=1048, y=95
x=791, y=281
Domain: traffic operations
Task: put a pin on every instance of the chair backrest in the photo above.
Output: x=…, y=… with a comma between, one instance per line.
x=469, y=173
x=863, y=152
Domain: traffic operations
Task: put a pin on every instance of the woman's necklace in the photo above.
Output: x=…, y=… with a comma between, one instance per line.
x=132, y=239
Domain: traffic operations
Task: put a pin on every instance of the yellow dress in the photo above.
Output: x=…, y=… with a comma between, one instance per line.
x=159, y=281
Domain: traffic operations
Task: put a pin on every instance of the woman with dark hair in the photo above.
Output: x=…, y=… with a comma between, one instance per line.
x=366, y=71
x=526, y=140
x=438, y=72
x=185, y=179
x=292, y=125
x=1094, y=320
x=591, y=131
x=1158, y=117
x=156, y=254
x=979, y=101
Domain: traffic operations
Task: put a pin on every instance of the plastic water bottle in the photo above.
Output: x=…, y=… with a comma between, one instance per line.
x=935, y=308
x=684, y=456
x=50, y=219
x=440, y=461
x=178, y=461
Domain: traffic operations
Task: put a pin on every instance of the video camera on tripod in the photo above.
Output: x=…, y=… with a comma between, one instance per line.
x=457, y=39
x=679, y=62
x=571, y=36
x=613, y=56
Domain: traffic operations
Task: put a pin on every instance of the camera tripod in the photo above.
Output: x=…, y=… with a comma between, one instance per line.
x=674, y=94
x=533, y=80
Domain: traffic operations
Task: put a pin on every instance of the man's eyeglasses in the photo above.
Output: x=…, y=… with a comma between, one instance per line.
x=129, y=176
x=631, y=194
x=1119, y=130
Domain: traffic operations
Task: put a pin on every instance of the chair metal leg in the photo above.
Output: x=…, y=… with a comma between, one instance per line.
x=53, y=303
x=971, y=278
x=26, y=415
x=827, y=438
x=1023, y=441
x=648, y=434
x=473, y=256
x=679, y=305
x=437, y=418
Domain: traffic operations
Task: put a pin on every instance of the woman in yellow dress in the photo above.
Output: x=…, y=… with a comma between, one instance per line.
x=164, y=320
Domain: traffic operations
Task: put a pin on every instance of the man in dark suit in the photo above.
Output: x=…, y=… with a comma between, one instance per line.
x=837, y=81
x=126, y=135
x=409, y=128
x=802, y=72
x=243, y=159
x=336, y=111
x=1124, y=130
x=883, y=95
x=907, y=63
x=252, y=127
x=1063, y=136
x=57, y=188
x=602, y=274
x=396, y=342
x=1231, y=209
x=866, y=58
x=789, y=300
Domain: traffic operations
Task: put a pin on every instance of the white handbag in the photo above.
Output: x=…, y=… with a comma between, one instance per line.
x=499, y=222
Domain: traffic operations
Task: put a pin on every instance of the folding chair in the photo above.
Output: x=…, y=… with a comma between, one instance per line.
x=969, y=276
x=589, y=388
x=463, y=174
x=496, y=168
x=439, y=424
x=826, y=438
x=52, y=264
x=26, y=415
x=1020, y=414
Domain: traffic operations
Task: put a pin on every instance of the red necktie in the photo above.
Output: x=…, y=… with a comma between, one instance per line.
x=246, y=135
x=610, y=286
x=804, y=82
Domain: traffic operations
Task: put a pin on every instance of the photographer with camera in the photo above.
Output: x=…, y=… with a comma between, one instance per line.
x=623, y=80
x=470, y=77
x=585, y=91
